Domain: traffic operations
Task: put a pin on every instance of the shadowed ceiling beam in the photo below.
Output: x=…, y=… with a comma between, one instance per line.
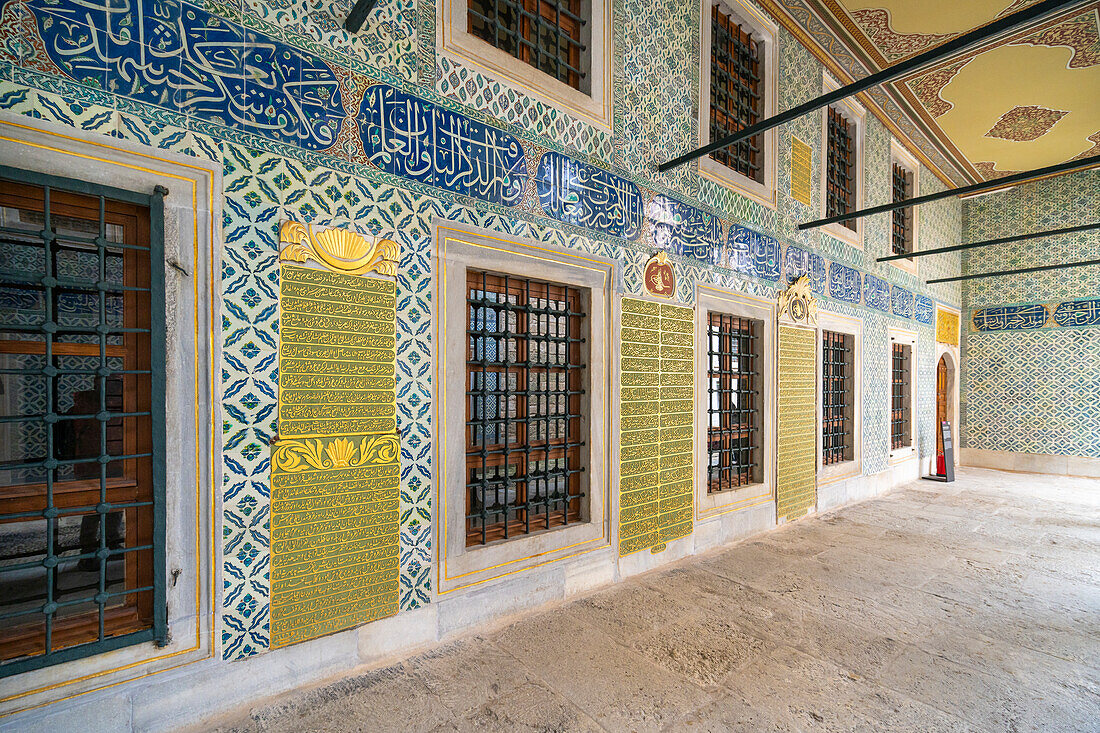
x=987, y=242
x=1069, y=165
x=1059, y=266
x=966, y=40
x=358, y=15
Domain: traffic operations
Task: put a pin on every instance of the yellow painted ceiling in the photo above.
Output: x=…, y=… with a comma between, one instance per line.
x=935, y=16
x=1028, y=101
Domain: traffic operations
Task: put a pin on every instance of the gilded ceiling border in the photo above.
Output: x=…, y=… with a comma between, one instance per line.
x=830, y=50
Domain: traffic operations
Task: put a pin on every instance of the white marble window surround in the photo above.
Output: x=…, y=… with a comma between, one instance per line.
x=460, y=248
x=592, y=103
x=765, y=31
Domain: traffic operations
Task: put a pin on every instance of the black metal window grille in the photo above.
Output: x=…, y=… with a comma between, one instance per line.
x=524, y=390
x=902, y=239
x=900, y=407
x=736, y=93
x=836, y=397
x=840, y=177
x=733, y=402
x=546, y=34
x=81, y=420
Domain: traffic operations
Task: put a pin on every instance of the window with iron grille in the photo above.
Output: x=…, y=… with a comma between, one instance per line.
x=81, y=420
x=736, y=93
x=901, y=430
x=836, y=397
x=547, y=34
x=524, y=393
x=902, y=239
x=840, y=176
x=733, y=402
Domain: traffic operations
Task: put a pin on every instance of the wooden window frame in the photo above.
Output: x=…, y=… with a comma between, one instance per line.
x=138, y=490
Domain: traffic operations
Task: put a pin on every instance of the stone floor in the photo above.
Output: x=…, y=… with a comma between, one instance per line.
x=972, y=606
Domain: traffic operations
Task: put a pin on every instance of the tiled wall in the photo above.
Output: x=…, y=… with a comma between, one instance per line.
x=1031, y=353
x=294, y=140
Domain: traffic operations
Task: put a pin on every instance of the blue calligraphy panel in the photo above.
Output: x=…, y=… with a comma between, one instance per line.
x=876, y=293
x=586, y=196
x=845, y=283
x=753, y=253
x=1074, y=313
x=923, y=309
x=409, y=137
x=799, y=262
x=1010, y=317
x=181, y=57
x=685, y=230
x=901, y=302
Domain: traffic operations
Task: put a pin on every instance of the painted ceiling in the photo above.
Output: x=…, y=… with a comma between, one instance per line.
x=1027, y=100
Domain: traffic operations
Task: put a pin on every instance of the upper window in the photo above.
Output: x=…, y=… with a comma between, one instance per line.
x=902, y=234
x=840, y=171
x=901, y=404
x=543, y=33
x=81, y=394
x=524, y=380
x=837, y=393
x=557, y=51
x=733, y=402
x=904, y=174
x=736, y=93
x=738, y=90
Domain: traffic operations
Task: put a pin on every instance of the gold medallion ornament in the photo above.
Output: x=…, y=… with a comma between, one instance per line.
x=340, y=250
x=658, y=277
x=797, y=303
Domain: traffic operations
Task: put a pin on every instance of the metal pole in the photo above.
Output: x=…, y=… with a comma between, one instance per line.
x=358, y=15
x=972, y=188
x=987, y=242
x=1021, y=270
x=953, y=46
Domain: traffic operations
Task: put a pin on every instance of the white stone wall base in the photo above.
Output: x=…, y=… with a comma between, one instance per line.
x=197, y=694
x=1031, y=462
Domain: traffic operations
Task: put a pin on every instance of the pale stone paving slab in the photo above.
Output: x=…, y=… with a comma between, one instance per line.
x=972, y=606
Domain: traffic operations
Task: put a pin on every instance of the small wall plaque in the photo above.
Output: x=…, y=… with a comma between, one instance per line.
x=658, y=277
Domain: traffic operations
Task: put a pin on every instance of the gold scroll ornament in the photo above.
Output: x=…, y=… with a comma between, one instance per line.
x=797, y=303
x=340, y=250
x=656, y=436
x=335, y=471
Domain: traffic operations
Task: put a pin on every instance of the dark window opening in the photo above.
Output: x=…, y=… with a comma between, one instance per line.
x=901, y=427
x=902, y=236
x=81, y=359
x=840, y=194
x=525, y=377
x=836, y=397
x=736, y=94
x=546, y=34
x=733, y=402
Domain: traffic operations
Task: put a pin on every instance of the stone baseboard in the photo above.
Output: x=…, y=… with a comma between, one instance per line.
x=1031, y=462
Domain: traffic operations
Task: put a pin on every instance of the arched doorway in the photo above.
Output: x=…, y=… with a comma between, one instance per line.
x=945, y=389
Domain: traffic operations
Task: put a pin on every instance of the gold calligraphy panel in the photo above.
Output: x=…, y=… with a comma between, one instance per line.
x=335, y=473
x=656, y=425
x=947, y=327
x=796, y=459
x=801, y=164
x=334, y=534
x=336, y=354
